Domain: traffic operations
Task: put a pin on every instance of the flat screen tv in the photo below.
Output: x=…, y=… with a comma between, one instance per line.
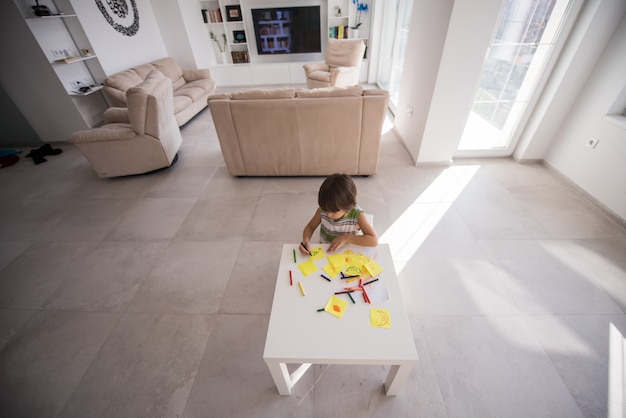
x=287, y=30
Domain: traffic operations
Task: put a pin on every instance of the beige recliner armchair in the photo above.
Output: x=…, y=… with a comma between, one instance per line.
x=138, y=139
x=342, y=66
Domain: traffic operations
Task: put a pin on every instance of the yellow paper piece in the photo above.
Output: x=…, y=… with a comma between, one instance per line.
x=330, y=270
x=317, y=253
x=379, y=318
x=336, y=306
x=307, y=267
x=338, y=260
x=373, y=268
x=353, y=270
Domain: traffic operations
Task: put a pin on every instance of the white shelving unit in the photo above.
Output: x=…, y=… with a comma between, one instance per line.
x=66, y=47
x=217, y=14
x=342, y=16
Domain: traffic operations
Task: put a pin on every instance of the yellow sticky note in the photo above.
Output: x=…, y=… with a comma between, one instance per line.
x=379, y=318
x=307, y=267
x=336, y=306
x=338, y=260
x=330, y=270
x=373, y=268
x=317, y=253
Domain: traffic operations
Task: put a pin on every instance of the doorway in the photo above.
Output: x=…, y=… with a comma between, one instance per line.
x=516, y=65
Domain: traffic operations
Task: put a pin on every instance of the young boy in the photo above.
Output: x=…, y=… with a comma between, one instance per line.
x=339, y=216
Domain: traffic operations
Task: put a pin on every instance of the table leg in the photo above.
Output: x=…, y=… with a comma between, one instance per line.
x=396, y=377
x=281, y=377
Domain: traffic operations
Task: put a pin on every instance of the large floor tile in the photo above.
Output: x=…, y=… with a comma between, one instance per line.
x=107, y=278
x=188, y=277
x=253, y=279
x=152, y=219
x=42, y=367
x=495, y=367
x=540, y=282
x=578, y=347
x=233, y=380
x=566, y=215
x=455, y=278
x=90, y=220
x=600, y=261
x=281, y=217
x=146, y=368
x=218, y=218
x=28, y=281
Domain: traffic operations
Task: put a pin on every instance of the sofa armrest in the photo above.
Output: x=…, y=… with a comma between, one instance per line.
x=116, y=115
x=317, y=66
x=190, y=74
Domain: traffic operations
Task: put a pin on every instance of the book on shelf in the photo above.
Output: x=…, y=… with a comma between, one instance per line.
x=338, y=32
x=240, y=57
x=216, y=16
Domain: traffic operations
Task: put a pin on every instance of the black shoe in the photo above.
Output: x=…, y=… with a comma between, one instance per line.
x=37, y=156
x=48, y=150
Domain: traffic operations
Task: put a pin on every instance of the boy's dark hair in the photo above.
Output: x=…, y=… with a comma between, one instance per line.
x=337, y=192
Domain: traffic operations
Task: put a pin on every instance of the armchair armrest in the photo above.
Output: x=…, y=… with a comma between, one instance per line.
x=116, y=115
x=317, y=66
x=344, y=76
x=106, y=133
x=190, y=74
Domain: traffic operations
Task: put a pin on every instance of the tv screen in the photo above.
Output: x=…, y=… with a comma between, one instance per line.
x=287, y=30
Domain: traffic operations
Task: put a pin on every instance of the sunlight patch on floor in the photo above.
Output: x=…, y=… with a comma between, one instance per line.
x=411, y=229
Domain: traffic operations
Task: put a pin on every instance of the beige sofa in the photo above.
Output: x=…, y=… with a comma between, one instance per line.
x=289, y=132
x=191, y=86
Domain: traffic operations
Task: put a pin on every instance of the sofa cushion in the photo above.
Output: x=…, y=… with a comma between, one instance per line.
x=181, y=103
x=195, y=92
x=260, y=94
x=171, y=69
x=351, y=91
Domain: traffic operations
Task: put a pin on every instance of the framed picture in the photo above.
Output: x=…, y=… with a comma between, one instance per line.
x=233, y=13
x=239, y=36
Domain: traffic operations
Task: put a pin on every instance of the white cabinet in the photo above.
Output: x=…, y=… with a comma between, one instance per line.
x=63, y=42
x=227, y=32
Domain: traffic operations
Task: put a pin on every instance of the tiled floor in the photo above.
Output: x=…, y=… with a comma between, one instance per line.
x=149, y=296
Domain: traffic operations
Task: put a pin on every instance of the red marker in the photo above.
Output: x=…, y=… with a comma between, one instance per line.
x=290, y=279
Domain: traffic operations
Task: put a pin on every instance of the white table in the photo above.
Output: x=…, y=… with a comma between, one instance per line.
x=298, y=334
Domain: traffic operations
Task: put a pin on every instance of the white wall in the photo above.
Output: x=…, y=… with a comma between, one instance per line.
x=601, y=172
x=429, y=25
x=469, y=30
x=118, y=52
x=184, y=33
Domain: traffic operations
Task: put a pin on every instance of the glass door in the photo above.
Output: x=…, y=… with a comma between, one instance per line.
x=515, y=65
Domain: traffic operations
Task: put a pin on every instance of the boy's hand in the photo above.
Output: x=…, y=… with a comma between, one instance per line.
x=339, y=242
x=304, y=248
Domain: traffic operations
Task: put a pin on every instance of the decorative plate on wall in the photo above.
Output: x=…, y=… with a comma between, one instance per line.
x=120, y=16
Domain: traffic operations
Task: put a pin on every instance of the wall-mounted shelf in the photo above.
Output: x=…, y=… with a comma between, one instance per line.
x=66, y=47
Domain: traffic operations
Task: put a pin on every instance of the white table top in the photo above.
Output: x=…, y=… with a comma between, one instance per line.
x=297, y=333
